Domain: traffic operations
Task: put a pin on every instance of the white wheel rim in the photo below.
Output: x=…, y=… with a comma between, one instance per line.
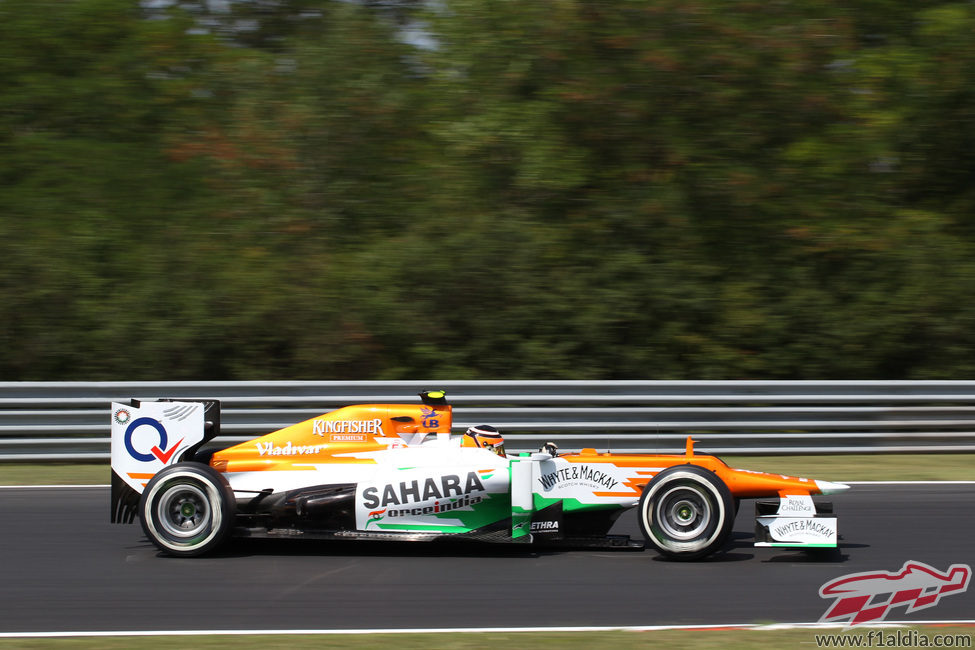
x=675, y=518
x=683, y=512
x=182, y=541
x=183, y=511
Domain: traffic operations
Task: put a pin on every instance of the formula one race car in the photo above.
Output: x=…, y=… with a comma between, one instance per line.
x=394, y=472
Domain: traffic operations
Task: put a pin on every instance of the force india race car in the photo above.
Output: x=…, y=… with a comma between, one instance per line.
x=394, y=472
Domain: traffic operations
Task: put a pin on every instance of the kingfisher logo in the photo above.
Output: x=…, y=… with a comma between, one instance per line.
x=161, y=450
x=868, y=597
x=373, y=427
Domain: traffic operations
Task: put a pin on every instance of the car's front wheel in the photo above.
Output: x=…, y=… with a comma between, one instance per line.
x=187, y=509
x=686, y=512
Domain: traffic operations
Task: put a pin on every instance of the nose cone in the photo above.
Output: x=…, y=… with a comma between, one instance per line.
x=828, y=487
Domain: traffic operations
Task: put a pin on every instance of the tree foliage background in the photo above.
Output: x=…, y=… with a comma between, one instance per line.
x=663, y=189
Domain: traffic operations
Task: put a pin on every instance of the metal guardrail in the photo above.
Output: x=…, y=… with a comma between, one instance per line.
x=69, y=421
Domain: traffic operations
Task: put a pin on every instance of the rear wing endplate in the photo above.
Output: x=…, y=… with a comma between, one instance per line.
x=148, y=435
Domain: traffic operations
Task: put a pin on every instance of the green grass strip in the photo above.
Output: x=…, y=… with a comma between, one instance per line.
x=865, y=467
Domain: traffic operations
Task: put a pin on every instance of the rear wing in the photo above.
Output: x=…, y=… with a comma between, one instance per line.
x=148, y=435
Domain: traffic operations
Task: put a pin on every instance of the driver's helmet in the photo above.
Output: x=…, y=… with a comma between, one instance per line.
x=486, y=436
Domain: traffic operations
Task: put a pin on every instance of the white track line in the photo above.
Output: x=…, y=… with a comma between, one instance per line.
x=483, y=630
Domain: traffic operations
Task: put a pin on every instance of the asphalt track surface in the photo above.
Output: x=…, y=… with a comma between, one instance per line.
x=66, y=568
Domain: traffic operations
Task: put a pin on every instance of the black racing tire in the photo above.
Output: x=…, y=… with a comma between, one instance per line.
x=686, y=512
x=187, y=509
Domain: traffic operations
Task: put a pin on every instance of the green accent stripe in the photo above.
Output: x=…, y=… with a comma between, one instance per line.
x=422, y=528
x=572, y=505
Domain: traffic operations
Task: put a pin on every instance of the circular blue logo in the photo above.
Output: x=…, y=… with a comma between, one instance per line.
x=155, y=424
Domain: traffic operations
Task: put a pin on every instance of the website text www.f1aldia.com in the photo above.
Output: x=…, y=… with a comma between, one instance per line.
x=893, y=639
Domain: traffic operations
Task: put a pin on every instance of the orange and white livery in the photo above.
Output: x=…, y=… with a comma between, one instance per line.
x=395, y=471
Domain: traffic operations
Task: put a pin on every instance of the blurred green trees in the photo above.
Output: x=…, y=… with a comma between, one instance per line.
x=633, y=189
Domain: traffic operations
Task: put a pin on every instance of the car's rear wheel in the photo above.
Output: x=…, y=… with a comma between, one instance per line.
x=187, y=509
x=686, y=512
